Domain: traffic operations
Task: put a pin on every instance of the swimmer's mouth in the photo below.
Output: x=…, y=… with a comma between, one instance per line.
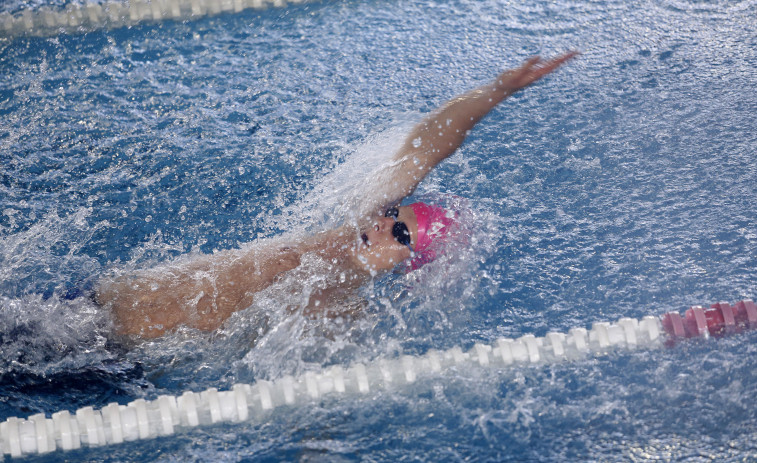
x=365, y=240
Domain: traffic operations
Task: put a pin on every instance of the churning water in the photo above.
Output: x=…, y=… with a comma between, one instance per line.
x=622, y=185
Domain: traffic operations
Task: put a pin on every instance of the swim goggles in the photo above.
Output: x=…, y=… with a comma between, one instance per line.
x=400, y=232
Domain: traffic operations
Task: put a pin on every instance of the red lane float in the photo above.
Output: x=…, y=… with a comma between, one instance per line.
x=719, y=320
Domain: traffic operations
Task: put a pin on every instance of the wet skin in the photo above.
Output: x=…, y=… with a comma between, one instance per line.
x=204, y=292
x=379, y=249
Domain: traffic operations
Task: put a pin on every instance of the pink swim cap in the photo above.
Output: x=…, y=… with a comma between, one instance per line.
x=433, y=223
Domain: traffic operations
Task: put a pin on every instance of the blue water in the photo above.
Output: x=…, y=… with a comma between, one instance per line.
x=623, y=185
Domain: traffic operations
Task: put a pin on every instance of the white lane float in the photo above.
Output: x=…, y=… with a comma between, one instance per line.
x=94, y=15
x=166, y=415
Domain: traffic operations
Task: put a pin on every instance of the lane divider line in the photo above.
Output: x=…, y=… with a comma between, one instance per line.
x=166, y=415
x=90, y=16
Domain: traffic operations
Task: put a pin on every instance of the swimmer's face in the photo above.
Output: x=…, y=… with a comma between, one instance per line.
x=379, y=249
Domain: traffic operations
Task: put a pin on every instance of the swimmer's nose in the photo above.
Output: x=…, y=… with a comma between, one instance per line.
x=384, y=223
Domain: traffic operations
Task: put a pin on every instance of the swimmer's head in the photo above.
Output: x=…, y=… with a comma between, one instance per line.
x=406, y=232
x=432, y=224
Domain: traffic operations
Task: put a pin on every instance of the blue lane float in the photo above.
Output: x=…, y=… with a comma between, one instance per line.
x=166, y=415
x=83, y=17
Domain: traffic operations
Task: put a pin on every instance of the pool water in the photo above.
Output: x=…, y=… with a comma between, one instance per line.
x=622, y=185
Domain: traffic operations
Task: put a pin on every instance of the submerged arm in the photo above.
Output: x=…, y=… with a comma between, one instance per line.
x=439, y=134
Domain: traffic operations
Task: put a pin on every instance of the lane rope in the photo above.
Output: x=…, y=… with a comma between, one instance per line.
x=94, y=15
x=166, y=415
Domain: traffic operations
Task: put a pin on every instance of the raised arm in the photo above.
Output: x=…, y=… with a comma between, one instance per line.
x=439, y=134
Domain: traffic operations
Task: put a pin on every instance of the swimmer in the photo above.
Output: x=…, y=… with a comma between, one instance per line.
x=203, y=292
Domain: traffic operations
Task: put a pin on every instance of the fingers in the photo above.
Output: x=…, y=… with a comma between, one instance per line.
x=517, y=74
x=560, y=60
x=532, y=70
x=535, y=68
x=544, y=67
x=533, y=61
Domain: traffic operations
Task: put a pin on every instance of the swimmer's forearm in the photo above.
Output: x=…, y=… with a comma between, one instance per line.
x=441, y=133
x=444, y=130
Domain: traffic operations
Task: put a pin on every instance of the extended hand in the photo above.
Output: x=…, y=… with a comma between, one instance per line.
x=532, y=70
x=440, y=133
